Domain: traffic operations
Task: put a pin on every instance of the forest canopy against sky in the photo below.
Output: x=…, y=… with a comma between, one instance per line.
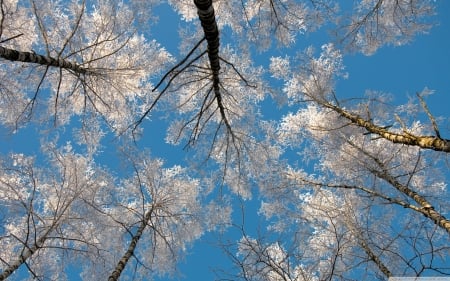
x=132, y=131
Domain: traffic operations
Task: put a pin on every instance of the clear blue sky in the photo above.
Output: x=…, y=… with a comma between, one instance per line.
x=401, y=71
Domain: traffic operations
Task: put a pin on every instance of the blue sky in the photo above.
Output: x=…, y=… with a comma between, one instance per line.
x=401, y=71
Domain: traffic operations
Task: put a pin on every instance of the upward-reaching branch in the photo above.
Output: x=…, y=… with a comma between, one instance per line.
x=371, y=254
x=426, y=208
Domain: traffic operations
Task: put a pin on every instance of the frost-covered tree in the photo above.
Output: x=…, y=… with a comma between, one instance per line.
x=46, y=211
x=160, y=212
x=376, y=200
x=76, y=214
x=79, y=58
x=351, y=187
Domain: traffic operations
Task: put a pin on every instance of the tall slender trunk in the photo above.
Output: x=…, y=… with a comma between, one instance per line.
x=361, y=239
x=374, y=258
x=131, y=248
x=27, y=252
x=207, y=18
x=426, y=208
x=31, y=57
x=426, y=142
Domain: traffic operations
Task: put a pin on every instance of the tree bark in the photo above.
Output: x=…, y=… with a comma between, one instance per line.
x=374, y=258
x=425, y=207
x=207, y=18
x=24, y=256
x=205, y=11
x=131, y=248
x=426, y=142
x=31, y=57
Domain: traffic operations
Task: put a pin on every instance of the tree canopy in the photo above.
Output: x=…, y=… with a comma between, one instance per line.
x=350, y=186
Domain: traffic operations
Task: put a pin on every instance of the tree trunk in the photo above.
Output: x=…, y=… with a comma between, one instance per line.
x=14, y=55
x=426, y=142
x=374, y=258
x=207, y=18
x=425, y=207
x=24, y=256
x=129, y=253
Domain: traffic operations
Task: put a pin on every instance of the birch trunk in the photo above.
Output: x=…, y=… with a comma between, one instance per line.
x=425, y=207
x=426, y=142
x=25, y=255
x=14, y=55
x=131, y=248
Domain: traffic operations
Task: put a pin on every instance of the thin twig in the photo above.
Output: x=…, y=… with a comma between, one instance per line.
x=11, y=38
x=237, y=72
x=178, y=64
x=430, y=116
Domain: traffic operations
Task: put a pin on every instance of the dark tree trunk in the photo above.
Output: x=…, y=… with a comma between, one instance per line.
x=14, y=55
x=207, y=18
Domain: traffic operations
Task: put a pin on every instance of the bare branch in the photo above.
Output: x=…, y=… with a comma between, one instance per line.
x=430, y=116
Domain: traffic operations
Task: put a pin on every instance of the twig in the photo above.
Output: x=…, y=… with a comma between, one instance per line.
x=427, y=111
